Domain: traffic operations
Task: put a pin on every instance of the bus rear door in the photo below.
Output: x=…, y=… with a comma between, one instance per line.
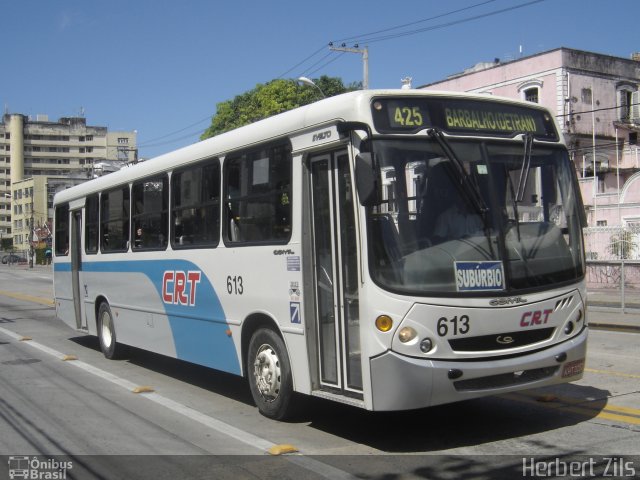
x=76, y=269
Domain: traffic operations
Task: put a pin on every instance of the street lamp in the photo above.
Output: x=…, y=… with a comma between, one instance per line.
x=310, y=83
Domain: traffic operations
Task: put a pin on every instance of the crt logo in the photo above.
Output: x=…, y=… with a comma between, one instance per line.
x=179, y=287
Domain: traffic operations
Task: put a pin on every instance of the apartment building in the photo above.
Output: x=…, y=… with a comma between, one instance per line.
x=38, y=156
x=596, y=102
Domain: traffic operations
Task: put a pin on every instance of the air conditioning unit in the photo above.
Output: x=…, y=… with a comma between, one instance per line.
x=635, y=107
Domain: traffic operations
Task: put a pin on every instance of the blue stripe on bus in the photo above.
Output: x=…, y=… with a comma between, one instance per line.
x=196, y=339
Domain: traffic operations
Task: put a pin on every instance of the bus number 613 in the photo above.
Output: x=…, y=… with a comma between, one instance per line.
x=234, y=285
x=459, y=326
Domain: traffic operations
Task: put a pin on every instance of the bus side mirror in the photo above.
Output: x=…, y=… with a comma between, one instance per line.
x=366, y=182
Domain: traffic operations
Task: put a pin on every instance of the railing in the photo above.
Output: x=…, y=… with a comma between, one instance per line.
x=613, y=267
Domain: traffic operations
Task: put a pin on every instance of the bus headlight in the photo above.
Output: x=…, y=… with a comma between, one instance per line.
x=568, y=328
x=426, y=345
x=384, y=323
x=406, y=334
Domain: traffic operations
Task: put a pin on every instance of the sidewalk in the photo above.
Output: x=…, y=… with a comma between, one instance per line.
x=604, y=309
x=613, y=319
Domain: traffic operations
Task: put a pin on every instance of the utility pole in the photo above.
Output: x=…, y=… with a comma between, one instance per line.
x=365, y=60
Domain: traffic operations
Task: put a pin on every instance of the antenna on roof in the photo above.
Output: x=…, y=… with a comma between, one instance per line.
x=406, y=83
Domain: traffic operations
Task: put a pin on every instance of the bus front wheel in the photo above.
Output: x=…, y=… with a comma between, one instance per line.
x=107, y=333
x=269, y=374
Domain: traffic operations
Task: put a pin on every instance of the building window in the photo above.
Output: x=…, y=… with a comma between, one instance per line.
x=531, y=95
x=123, y=140
x=530, y=90
x=625, y=97
x=586, y=96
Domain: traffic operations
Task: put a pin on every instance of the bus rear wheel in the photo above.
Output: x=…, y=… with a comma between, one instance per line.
x=107, y=333
x=269, y=374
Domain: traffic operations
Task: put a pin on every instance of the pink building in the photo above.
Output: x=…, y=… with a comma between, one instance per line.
x=596, y=101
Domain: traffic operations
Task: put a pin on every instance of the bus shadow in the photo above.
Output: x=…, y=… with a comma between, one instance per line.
x=434, y=429
x=228, y=385
x=462, y=424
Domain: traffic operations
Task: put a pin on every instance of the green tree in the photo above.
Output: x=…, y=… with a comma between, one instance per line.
x=269, y=99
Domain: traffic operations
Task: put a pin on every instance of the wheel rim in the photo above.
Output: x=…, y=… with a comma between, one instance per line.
x=266, y=370
x=105, y=333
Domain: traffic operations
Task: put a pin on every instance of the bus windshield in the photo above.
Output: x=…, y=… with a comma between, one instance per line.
x=466, y=216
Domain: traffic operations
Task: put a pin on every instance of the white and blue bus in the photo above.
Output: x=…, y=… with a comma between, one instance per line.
x=386, y=249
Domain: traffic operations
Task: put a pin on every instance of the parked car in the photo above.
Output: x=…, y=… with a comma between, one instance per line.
x=13, y=258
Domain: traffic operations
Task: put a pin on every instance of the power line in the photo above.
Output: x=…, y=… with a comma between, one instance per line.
x=347, y=39
x=167, y=142
x=365, y=36
x=447, y=24
x=335, y=57
x=148, y=142
x=303, y=61
x=597, y=110
x=306, y=72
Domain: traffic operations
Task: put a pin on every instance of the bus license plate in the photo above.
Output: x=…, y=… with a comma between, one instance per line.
x=573, y=368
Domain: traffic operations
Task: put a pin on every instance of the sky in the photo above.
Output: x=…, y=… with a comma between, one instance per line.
x=159, y=67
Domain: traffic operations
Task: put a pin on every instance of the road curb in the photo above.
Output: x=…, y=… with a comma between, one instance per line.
x=615, y=327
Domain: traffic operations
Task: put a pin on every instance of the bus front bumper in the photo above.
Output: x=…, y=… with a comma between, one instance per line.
x=402, y=383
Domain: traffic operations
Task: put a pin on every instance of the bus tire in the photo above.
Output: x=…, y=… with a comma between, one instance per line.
x=269, y=374
x=107, y=333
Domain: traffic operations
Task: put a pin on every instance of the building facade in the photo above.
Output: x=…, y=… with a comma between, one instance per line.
x=38, y=157
x=596, y=102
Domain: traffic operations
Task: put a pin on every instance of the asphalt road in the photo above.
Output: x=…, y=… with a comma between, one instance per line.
x=61, y=400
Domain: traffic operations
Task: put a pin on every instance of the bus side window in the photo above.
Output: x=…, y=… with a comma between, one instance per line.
x=195, y=205
x=92, y=222
x=258, y=195
x=62, y=231
x=114, y=220
x=149, y=216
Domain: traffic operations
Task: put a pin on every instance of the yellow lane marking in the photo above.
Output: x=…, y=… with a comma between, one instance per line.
x=28, y=298
x=282, y=449
x=608, y=372
x=143, y=389
x=604, y=414
x=580, y=407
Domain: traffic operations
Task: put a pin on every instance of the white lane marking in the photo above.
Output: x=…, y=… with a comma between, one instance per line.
x=215, y=424
x=247, y=438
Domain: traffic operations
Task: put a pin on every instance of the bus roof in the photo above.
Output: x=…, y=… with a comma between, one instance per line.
x=351, y=106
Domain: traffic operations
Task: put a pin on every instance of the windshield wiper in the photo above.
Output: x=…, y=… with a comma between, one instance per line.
x=471, y=190
x=526, y=166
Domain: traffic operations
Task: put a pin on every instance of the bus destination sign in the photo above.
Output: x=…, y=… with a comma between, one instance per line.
x=478, y=119
x=460, y=116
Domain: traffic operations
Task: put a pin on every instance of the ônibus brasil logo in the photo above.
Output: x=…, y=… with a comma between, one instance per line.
x=34, y=468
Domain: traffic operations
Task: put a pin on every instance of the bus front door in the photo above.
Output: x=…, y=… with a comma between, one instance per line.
x=76, y=269
x=335, y=274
